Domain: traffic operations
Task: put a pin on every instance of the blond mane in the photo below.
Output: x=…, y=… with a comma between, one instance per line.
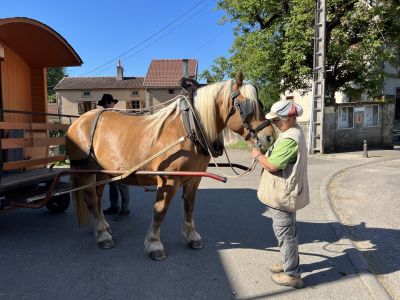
x=159, y=119
x=206, y=97
x=204, y=104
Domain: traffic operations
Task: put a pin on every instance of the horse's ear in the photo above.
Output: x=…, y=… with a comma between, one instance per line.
x=239, y=78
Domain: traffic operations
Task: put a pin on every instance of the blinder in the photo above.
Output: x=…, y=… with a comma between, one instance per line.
x=246, y=109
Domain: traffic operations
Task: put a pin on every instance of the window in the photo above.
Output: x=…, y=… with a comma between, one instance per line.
x=85, y=106
x=371, y=113
x=134, y=104
x=346, y=117
x=135, y=93
x=85, y=94
x=290, y=98
x=171, y=91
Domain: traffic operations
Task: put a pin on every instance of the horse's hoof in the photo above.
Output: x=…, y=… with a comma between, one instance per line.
x=196, y=244
x=107, y=244
x=158, y=255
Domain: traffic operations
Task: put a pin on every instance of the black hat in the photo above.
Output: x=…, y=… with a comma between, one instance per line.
x=107, y=98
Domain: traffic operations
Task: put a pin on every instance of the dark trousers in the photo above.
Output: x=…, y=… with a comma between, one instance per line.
x=124, y=191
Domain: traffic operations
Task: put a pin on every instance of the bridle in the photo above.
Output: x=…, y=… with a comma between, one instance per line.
x=245, y=109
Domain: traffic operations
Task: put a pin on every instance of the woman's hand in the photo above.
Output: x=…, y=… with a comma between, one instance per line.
x=256, y=153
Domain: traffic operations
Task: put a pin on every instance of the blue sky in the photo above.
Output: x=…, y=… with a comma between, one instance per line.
x=101, y=31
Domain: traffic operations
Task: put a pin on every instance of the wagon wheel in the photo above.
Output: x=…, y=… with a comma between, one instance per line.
x=58, y=204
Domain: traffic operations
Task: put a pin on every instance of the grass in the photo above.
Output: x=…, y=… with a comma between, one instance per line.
x=239, y=145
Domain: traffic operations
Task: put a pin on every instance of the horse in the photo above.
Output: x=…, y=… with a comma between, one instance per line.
x=111, y=140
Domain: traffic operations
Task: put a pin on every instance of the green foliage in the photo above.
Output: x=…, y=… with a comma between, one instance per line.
x=54, y=76
x=240, y=145
x=273, y=44
x=52, y=98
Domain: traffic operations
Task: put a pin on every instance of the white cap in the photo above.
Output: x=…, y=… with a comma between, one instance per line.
x=284, y=109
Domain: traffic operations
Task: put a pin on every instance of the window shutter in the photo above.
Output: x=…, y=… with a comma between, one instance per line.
x=128, y=105
x=80, y=108
x=93, y=105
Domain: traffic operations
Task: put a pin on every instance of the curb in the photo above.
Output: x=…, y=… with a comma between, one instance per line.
x=358, y=261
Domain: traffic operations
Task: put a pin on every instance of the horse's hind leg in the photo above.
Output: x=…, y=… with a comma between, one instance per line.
x=153, y=246
x=189, y=233
x=99, y=194
x=102, y=232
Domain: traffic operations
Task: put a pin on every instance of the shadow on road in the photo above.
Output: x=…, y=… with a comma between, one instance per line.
x=53, y=257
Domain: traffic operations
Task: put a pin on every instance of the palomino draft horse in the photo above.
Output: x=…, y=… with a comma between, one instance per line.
x=112, y=140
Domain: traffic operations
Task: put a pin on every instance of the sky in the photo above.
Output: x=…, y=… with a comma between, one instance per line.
x=136, y=32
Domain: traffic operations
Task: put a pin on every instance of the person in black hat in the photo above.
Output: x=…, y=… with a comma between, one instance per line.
x=107, y=101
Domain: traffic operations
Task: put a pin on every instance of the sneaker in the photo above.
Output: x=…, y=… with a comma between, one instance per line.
x=122, y=216
x=111, y=211
x=277, y=268
x=293, y=281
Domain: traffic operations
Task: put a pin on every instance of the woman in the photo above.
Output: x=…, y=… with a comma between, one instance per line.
x=284, y=188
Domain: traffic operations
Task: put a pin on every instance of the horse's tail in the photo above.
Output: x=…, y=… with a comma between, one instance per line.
x=81, y=210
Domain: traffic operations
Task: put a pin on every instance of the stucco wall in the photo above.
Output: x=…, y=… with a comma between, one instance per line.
x=158, y=96
x=68, y=100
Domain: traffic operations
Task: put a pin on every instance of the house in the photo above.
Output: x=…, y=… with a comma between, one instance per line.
x=350, y=121
x=76, y=95
x=162, y=81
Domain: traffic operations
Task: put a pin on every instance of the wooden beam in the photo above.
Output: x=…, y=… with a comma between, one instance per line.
x=31, y=162
x=26, y=142
x=33, y=126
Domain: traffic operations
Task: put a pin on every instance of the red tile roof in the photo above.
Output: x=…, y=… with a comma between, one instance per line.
x=168, y=72
x=92, y=83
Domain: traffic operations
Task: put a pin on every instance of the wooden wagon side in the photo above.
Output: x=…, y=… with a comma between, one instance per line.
x=27, y=49
x=27, y=151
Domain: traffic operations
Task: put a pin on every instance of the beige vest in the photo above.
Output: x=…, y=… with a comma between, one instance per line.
x=287, y=189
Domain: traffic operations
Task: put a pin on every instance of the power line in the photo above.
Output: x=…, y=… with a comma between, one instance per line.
x=157, y=39
x=147, y=39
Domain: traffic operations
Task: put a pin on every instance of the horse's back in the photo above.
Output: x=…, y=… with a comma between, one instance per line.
x=78, y=136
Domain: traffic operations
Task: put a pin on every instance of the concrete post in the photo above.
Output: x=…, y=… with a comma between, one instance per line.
x=365, y=149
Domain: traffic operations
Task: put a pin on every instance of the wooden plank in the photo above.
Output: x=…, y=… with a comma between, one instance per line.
x=26, y=142
x=34, y=126
x=31, y=162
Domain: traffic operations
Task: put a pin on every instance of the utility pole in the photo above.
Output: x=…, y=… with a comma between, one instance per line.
x=316, y=131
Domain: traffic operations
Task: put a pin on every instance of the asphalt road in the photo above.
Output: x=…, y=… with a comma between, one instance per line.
x=46, y=256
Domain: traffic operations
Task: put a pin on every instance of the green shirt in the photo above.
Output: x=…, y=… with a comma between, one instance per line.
x=284, y=153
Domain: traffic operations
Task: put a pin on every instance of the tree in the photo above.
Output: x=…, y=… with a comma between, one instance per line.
x=273, y=44
x=54, y=76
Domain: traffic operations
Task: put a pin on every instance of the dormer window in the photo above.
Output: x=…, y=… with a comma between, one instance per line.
x=86, y=94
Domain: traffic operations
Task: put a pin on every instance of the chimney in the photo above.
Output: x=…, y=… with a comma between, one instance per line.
x=185, y=67
x=120, y=71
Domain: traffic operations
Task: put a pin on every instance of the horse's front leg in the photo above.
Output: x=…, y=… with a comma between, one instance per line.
x=166, y=189
x=92, y=198
x=189, y=233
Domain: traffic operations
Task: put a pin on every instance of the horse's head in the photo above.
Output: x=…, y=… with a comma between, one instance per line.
x=243, y=113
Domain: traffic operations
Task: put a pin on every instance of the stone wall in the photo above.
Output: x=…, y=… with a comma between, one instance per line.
x=379, y=135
